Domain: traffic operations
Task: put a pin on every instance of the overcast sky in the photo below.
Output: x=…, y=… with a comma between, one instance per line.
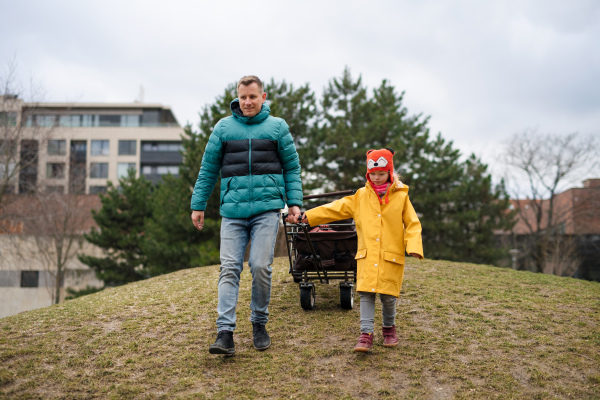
x=483, y=70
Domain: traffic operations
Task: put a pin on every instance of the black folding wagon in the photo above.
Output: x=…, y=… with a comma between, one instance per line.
x=323, y=253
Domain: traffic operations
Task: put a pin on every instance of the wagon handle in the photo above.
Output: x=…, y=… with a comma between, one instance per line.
x=312, y=249
x=332, y=194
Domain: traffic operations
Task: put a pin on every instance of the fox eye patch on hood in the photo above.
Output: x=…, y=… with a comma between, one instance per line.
x=380, y=163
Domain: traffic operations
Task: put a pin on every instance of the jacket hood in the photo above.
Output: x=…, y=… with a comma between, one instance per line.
x=237, y=113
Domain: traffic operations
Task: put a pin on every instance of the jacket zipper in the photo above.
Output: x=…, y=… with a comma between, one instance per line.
x=250, y=172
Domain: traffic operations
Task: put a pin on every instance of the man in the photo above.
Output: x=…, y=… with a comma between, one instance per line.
x=260, y=171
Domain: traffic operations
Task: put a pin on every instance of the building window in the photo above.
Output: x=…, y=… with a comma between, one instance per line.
x=98, y=170
x=160, y=169
x=11, y=170
x=127, y=147
x=8, y=118
x=123, y=169
x=89, y=120
x=30, y=278
x=97, y=189
x=55, y=170
x=162, y=146
x=78, y=147
x=150, y=118
x=99, y=148
x=131, y=121
x=69, y=121
x=110, y=120
x=57, y=147
x=42, y=120
x=167, y=169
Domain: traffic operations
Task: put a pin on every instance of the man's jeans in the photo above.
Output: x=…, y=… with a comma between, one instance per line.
x=261, y=230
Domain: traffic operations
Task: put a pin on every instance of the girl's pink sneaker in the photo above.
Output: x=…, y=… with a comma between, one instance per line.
x=389, y=336
x=365, y=342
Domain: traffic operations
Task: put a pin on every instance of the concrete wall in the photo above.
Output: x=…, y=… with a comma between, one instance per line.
x=17, y=254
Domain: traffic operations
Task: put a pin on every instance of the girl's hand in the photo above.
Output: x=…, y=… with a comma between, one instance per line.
x=415, y=255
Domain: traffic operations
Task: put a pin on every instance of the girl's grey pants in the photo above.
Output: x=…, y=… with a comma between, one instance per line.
x=367, y=310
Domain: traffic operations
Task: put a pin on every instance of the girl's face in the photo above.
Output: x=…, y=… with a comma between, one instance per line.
x=379, y=177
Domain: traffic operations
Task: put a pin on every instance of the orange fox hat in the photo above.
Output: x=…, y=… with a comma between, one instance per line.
x=380, y=160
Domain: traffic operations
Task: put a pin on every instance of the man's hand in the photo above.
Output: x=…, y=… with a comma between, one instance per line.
x=293, y=215
x=198, y=219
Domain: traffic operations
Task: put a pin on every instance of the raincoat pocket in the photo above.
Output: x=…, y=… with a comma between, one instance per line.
x=393, y=257
x=360, y=257
x=360, y=254
x=393, y=269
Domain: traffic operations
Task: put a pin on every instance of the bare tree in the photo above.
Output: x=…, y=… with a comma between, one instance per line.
x=59, y=233
x=541, y=167
x=20, y=135
x=52, y=233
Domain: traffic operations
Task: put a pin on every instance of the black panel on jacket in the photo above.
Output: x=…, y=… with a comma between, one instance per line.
x=235, y=158
x=265, y=159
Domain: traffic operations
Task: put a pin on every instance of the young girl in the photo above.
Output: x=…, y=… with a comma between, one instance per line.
x=387, y=226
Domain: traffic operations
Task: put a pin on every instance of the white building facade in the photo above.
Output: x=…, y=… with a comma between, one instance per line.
x=80, y=147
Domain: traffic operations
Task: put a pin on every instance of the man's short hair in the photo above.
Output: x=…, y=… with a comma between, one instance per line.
x=250, y=79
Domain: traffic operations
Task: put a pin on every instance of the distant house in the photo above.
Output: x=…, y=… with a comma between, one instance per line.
x=577, y=211
x=74, y=150
x=576, y=222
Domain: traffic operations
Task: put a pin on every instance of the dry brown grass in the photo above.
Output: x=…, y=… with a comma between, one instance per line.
x=466, y=331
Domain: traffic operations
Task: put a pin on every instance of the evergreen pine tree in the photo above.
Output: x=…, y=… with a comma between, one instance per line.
x=434, y=177
x=458, y=207
x=120, y=232
x=486, y=211
x=341, y=137
x=172, y=242
x=298, y=107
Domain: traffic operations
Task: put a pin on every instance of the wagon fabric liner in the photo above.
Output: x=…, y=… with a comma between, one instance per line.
x=335, y=249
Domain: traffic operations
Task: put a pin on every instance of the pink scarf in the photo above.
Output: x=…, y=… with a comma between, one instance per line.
x=381, y=189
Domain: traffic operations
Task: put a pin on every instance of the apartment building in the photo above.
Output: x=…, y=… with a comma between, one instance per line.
x=77, y=148
x=74, y=149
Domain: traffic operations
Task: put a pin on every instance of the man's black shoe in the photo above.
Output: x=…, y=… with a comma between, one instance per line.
x=224, y=344
x=262, y=341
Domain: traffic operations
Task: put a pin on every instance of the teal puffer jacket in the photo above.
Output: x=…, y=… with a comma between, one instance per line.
x=258, y=163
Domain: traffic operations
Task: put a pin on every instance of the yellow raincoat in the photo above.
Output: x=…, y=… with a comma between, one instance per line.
x=385, y=232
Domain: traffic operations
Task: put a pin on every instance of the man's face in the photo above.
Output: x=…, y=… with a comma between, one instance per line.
x=251, y=99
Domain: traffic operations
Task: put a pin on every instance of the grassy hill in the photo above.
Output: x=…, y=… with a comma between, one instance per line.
x=466, y=331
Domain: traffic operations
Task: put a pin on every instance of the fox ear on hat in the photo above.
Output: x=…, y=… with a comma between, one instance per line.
x=390, y=149
x=368, y=151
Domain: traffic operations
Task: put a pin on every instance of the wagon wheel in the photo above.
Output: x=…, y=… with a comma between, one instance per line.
x=307, y=297
x=346, y=295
